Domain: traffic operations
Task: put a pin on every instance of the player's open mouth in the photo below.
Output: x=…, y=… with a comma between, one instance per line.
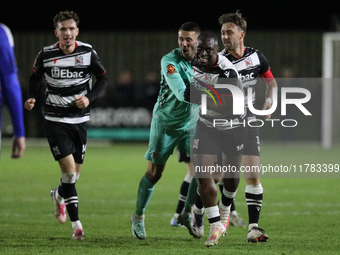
x=185, y=51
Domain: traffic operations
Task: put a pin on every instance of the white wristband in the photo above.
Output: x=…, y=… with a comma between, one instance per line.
x=269, y=100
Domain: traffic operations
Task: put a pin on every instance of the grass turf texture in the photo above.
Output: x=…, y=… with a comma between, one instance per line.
x=300, y=215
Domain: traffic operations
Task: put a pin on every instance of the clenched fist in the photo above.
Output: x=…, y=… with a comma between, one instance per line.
x=29, y=104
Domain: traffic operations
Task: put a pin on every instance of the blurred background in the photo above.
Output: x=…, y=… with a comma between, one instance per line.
x=131, y=37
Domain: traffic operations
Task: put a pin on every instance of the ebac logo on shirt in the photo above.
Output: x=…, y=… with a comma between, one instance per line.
x=171, y=69
x=57, y=72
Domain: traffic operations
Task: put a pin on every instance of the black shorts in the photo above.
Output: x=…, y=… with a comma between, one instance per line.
x=66, y=139
x=211, y=141
x=252, y=147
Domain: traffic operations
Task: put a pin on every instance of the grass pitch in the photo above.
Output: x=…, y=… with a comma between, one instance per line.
x=300, y=215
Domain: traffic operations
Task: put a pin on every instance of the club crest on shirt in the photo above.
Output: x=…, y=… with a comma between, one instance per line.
x=79, y=61
x=249, y=62
x=171, y=69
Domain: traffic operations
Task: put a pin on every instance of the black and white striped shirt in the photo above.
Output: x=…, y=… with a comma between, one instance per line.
x=222, y=72
x=67, y=76
x=250, y=66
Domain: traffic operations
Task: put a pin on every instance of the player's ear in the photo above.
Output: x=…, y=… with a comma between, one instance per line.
x=56, y=32
x=243, y=34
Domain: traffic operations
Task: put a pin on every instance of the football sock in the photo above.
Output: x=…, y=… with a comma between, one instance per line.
x=197, y=210
x=191, y=196
x=228, y=197
x=70, y=195
x=183, y=193
x=254, y=196
x=220, y=186
x=60, y=190
x=213, y=214
x=145, y=191
x=198, y=207
x=198, y=202
x=233, y=208
x=77, y=225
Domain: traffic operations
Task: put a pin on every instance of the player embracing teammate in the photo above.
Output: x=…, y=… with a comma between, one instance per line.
x=249, y=63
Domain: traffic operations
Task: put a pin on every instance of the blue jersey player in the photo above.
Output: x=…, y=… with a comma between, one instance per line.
x=11, y=91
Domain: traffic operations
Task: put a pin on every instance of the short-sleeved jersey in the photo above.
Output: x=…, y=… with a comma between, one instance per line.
x=9, y=84
x=67, y=76
x=250, y=66
x=223, y=71
x=176, y=72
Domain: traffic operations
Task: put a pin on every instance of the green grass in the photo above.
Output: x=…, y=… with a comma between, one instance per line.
x=300, y=215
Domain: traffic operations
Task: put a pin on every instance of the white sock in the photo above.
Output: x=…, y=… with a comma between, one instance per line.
x=198, y=210
x=254, y=189
x=212, y=212
x=69, y=177
x=76, y=225
x=252, y=225
x=188, y=178
x=229, y=194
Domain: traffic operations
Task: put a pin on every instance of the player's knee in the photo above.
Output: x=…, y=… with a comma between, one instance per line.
x=154, y=172
x=253, y=181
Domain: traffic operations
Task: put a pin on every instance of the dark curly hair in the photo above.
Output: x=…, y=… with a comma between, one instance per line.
x=65, y=15
x=235, y=18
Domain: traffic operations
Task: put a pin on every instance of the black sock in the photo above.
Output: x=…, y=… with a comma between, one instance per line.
x=233, y=208
x=198, y=202
x=60, y=189
x=226, y=201
x=254, y=202
x=182, y=196
x=71, y=200
x=220, y=185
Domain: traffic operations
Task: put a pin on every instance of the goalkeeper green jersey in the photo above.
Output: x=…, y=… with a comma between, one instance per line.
x=176, y=73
